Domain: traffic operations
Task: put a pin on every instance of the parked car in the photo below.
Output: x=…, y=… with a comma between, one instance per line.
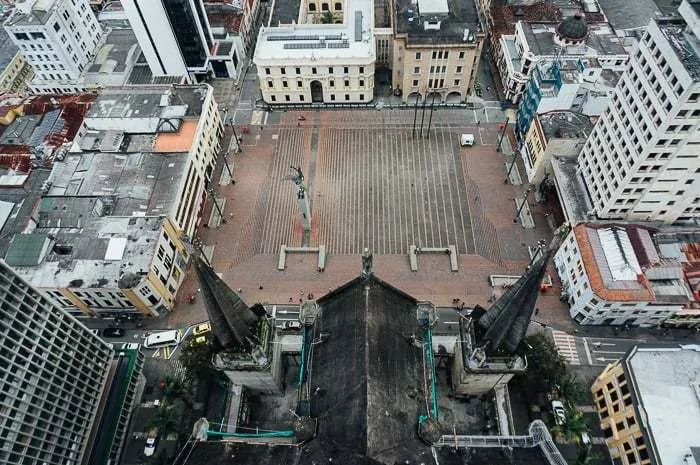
x=559, y=412
x=150, y=448
x=199, y=341
x=113, y=332
x=293, y=325
x=466, y=140
x=201, y=329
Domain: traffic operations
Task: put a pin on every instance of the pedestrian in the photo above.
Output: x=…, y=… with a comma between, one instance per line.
x=537, y=310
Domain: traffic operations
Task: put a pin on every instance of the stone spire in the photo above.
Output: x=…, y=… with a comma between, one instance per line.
x=233, y=322
x=506, y=321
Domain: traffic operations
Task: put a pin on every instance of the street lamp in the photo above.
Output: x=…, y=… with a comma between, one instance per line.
x=520, y=209
x=216, y=205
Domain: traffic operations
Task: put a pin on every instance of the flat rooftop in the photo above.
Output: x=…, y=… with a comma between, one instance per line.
x=570, y=189
x=159, y=102
x=31, y=12
x=77, y=245
x=601, y=39
x=565, y=125
x=680, y=41
x=140, y=183
x=459, y=20
x=285, y=12
x=667, y=388
x=115, y=55
x=629, y=14
x=8, y=49
x=351, y=40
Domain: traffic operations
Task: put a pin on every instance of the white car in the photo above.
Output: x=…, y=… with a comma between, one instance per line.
x=466, y=140
x=559, y=412
x=150, y=447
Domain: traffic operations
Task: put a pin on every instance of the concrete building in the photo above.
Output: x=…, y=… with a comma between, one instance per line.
x=58, y=37
x=53, y=371
x=177, y=40
x=649, y=406
x=560, y=133
x=618, y=275
x=15, y=70
x=111, y=230
x=572, y=39
x=436, y=49
x=641, y=162
x=315, y=62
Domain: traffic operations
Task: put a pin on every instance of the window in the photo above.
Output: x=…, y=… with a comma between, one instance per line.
x=283, y=70
x=330, y=70
x=362, y=69
x=300, y=84
x=461, y=55
x=312, y=7
x=416, y=70
x=285, y=84
x=346, y=70
x=56, y=27
x=287, y=98
x=324, y=7
x=331, y=83
x=362, y=96
x=267, y=70
x=434, y=54
x=298, y=70
x=301, y=97
x=21, y=36
x=269, y=84
x=415, y=83
x=313, y=70
x=458, y=70
x=37, y=35
x=417, y=55
x=338, y=6
x=347, y=97
x=456, y=82
x=347, y=82
x=362, y=82
x=332, y=97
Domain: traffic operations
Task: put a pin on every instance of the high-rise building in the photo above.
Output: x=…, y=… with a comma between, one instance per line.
x=174, y=35
x=57, y=37
x=53, y=371
x=642, y=160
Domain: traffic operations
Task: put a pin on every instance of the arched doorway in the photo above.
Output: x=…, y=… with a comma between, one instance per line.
x=453, y=97
x=316, y=92
x=413, y=97
x=433, y=98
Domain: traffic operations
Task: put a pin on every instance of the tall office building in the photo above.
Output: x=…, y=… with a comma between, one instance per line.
x=57, y=37
x=642, y=160
x=174, y=35
x=53, y=372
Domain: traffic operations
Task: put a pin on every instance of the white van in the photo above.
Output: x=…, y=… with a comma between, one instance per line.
x=466, y=140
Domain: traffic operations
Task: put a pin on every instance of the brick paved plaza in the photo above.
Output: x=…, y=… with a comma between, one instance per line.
x=371, y=184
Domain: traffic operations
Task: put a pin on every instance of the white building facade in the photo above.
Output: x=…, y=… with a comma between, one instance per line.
x=605, y=284
x=642, y=160
x=319, y=63
x=58, y=38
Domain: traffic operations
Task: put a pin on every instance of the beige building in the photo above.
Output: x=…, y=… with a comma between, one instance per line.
x=16, y=74
x=649, y=406
x=436, y=50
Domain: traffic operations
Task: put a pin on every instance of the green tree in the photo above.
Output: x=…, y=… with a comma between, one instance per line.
x=173, y=389
x=196, y=359
x=573, y=427
x=546, y=368
x=161, y=458
x=165, y=419
x=328, y=17
x=573, y=391
x=587, y=456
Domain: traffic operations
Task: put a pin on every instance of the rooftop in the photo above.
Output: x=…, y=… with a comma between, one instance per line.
x=666, y=384
x=141, y=75
x=8, y=49
x=115, y=55
x=180, y=141
x=624, y=264
x=351, y=40
x=680, y=40
x=22, y=201
x=285, y=12
x=139, y=183
x=570, y=189
x=31, y=12
x=629, y=14
x=77, y=245
x=458, y=24
x=565, y=125
x=601, y=40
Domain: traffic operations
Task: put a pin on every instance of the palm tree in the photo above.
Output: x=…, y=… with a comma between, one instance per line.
x=587, y=456
x=573, y=391
x=174, y=389
x=574, y=425
x=328, y=17
x=166, y=420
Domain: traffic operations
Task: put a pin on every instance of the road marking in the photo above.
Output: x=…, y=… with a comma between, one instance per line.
x=588, y=352
x=566, y=346
x=608, y=352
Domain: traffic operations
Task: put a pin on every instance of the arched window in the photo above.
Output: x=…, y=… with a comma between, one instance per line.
x=338, y=6
x=324, y=6
x=312, y=7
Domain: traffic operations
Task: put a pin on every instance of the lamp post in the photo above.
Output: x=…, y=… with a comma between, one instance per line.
x=541, y=244
x=522, y=205
x=510, y=168
x=216, y=205
x=503, y=133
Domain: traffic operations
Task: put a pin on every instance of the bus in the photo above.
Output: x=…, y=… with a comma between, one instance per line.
x=163, y=339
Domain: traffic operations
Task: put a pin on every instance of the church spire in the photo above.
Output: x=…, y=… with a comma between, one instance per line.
x=233, y=322
x=506, y=321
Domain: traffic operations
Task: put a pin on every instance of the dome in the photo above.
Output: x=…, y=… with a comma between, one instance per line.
x=573, y=28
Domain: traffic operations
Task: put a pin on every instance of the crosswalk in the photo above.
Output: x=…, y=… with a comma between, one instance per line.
x=566, y=345
x=178, y=370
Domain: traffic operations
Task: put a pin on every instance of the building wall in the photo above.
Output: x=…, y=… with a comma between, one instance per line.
x=53, y=371
x=641, y=161
x=344, y=83
x=537, y=151
x=60, y=49
x=16, y=74
x=313, y=11
x=150, y=23
x=618, y=419
x=385, y=47
x=251, y=11
x=469, y=383
x=448, y=71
